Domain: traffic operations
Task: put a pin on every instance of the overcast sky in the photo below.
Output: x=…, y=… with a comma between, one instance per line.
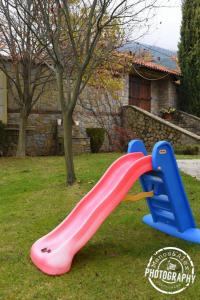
x=165, y=31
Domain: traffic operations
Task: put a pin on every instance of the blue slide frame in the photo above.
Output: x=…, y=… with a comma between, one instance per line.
x=170, y=211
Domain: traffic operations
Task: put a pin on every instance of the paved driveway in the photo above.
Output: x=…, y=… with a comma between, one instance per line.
x=190, y=166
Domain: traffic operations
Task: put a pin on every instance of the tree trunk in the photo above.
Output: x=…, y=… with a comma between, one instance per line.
x=21, y=146
x=67, y=130
x=110, y=141
x=67, y=133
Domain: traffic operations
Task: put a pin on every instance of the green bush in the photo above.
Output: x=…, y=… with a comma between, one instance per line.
x=187, y=149
x=97, y=136
x=2, y=137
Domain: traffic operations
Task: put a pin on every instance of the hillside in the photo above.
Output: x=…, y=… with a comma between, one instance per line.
x=160, y=56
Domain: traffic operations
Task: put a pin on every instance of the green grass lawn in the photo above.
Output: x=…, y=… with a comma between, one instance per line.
x=182, y=156
x=34, y=199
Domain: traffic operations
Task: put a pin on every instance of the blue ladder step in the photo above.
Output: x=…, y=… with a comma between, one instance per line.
x=165, y=216
x=154, y=183
x=161, y=202
x=153, y=179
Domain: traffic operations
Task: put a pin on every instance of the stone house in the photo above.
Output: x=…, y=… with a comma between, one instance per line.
x=153, y=86
x=149, y=86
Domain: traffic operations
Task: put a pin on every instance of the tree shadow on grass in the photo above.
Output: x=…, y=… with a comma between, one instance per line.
x=140, y=246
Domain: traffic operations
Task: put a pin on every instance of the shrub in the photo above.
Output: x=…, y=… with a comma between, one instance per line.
x=97, y=136
x=187, y=149
x=122, y=136
x=2, y=137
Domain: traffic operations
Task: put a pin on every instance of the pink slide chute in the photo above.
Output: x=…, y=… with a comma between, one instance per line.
x=53, y=253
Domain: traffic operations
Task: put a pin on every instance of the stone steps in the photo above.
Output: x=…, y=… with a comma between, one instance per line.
x=151, y=128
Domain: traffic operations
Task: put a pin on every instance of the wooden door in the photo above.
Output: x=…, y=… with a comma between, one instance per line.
x=140, y=92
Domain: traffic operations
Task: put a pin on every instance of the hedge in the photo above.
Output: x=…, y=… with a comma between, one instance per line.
x=187, y=149
x=97, y=136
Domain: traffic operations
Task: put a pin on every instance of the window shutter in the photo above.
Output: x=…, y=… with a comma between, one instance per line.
x=3, y=98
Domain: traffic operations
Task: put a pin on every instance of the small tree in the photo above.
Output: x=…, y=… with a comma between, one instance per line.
x=22, y=62
x=189, y=57
x=78, y=36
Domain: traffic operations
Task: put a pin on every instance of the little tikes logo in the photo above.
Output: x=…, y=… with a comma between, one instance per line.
x=170, y=270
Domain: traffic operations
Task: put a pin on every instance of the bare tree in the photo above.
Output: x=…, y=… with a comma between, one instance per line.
x=78, y=36
x=21, y=59
x=106, y=111
x=104, y=103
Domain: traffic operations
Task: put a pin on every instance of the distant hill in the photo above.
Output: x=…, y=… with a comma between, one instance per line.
x=160, y=56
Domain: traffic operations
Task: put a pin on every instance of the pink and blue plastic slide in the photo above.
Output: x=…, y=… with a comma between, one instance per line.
x=169, y=209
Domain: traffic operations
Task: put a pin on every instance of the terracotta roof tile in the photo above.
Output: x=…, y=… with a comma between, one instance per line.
x=157, y=67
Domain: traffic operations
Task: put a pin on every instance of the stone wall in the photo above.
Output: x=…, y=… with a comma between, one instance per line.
x=150, y=128
x=96, y=109
x=41, y=127
x=187, y=121
x=93, y=110
x=163, y=94
x=3, y=97
x=42, y=134
x=173, y=94
x=81, y=143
